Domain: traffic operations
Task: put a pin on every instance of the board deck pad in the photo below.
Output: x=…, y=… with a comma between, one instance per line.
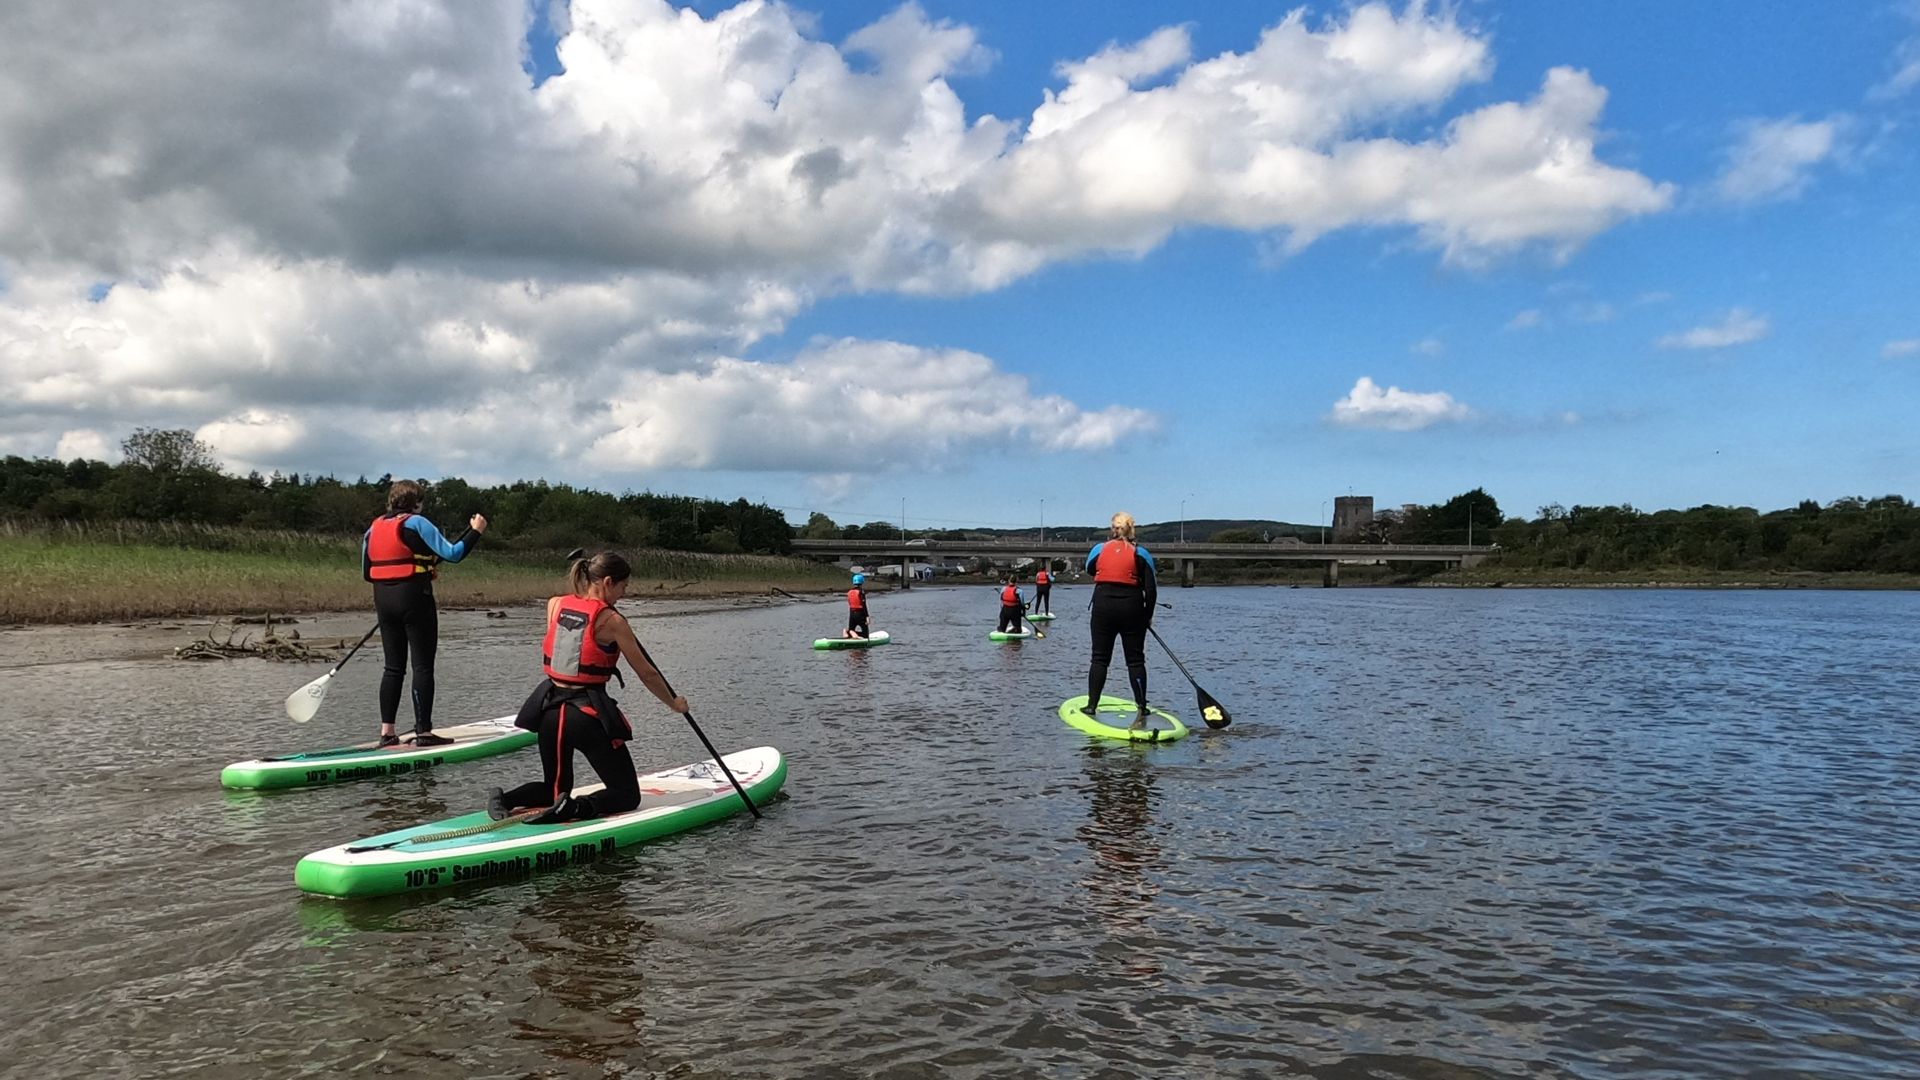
x=1122, y=711
x=365, y=761
x=878, y=637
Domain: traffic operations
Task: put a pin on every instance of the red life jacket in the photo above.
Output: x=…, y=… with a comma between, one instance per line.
x=1010, y=595
x=1115, y=565
x=571, y=654
x=389, y=558
x=856, y=599
x=1043, y=578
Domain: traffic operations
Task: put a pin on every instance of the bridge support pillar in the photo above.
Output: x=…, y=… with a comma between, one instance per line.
x=1330, y=576
x=1186, y=573
x=906, y=577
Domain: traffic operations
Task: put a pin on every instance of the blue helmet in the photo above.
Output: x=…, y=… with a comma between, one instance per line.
x=859, y=579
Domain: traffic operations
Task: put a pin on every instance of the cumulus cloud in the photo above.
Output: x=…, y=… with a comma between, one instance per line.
x=84, y=443
x=1739, y=327
x=838, y=401
x=1369, y=405
x=1432, y=346
x=1527, y=320
x=1774, y=159
x=312, y=229
x=1895, y=350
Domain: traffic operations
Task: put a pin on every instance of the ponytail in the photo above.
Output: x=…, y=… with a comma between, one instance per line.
x=585, y=571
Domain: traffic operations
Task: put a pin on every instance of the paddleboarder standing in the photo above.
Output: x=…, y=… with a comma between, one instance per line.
x=1043, y=589
x=857, y=608
x=401, y=555
x=1124, y=592
x=571, y=709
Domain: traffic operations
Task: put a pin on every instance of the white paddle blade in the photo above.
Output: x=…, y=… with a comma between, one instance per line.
x=303, y=703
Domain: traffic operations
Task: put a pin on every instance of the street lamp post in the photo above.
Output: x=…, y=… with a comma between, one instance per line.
x=1043, y=522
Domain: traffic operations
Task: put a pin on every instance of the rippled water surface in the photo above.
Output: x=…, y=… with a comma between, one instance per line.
x=1450, y=834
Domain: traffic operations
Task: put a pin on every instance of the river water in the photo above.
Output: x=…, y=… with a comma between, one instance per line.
x=1450, y=834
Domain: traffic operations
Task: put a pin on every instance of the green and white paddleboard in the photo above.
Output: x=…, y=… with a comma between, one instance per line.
x=474, y=847
x=878, y=637
x=1122, y=710
x=363, y=761
x=1043, y=617
x=1002, y=635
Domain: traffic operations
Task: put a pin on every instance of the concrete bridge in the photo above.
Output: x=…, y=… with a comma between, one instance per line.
x=1179, y=556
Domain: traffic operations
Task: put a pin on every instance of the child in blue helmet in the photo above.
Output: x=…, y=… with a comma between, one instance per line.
x=857, y=608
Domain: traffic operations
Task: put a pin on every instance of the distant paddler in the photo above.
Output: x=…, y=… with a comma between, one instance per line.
x=401, y=555
x=571, y=709
x=1124, y=592
x=1012, y=608
x=857, y=608
x=1042, y=590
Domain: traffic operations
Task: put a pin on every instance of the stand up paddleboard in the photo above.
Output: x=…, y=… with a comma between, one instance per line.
x=878, y=637
x=364, y=761
x=1123, y=710
x=473, y=847
x=1042, y=617
x=1002, y=635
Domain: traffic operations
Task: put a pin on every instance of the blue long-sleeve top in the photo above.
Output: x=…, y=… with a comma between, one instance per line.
x=426, y=538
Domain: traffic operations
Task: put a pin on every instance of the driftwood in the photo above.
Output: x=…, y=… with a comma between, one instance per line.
x=219, y=644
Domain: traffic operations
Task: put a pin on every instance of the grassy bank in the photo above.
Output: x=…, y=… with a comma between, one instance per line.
x=89, y=574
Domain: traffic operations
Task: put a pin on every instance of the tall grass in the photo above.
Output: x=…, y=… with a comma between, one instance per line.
x=73, y=572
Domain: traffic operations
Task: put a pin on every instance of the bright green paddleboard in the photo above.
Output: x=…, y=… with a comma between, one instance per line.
x=473, y=847
x=1123, y=711
x=1002, y=635
x=1041, y=618
x=484, y=738
x=879, y=637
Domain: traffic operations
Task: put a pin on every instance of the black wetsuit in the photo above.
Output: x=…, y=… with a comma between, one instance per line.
x=1126, y=611
x=1041, y=592
x=410, y=624
x=572, y=718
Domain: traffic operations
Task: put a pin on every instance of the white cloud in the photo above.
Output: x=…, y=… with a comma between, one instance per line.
x=1773, y=159
x=1390, y=408
x=84, y=443
x=1527, y=320
x=1894, y=350
x=846, y=405
x=1739, y=327
x=326, y=232
x=1592, y=311
x=1432, y=346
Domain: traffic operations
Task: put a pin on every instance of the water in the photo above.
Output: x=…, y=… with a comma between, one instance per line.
x=1450, y=834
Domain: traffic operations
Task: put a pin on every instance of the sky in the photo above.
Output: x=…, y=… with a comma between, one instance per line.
x=977, y=263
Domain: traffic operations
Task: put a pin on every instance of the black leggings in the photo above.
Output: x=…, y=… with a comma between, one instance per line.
x=564, y=728
x=1010, y=619
x=1040, y=601
x=857, y=620
x=409, y=623
x=1122, y=610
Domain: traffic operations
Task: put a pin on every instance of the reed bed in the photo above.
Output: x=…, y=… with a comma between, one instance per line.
x=86, y=572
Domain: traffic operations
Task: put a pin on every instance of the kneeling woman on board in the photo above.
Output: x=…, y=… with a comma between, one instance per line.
x=857, y=608
x=586, y=637
x=1124, y=592
x=1012, y=608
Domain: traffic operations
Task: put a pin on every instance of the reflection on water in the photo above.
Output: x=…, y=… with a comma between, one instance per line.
x=1450, y=834
x=1119, y=831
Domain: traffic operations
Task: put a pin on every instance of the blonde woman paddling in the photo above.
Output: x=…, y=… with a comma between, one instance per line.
x=570, y=708
x=1124, y=592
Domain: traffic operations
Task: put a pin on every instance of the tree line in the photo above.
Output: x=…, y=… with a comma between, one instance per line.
x=169, y=476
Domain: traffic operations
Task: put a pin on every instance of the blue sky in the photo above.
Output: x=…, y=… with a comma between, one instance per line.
x=839, y=257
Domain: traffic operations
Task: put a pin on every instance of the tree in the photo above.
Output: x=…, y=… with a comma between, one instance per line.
x=174, y=450
x=819, y=527
x=1234, y=536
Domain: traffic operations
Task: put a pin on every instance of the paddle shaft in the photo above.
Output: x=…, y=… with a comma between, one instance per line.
x=1175, y=659
x=1206, y=699
x=717, y=759
x=368, y=636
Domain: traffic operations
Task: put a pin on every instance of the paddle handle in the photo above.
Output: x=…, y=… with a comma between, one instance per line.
x=717, y=759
